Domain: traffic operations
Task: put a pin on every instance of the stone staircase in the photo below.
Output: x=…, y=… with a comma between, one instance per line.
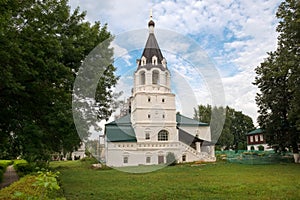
x=200, y=156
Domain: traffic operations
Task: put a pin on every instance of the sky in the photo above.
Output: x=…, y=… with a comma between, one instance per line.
x=208, y=45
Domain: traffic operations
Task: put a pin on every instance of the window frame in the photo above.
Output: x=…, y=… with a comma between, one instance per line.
x=261, y=137
x=148, y=159
x=147, y=136
x=251, y=138
x=125, y=159
x=163, y=135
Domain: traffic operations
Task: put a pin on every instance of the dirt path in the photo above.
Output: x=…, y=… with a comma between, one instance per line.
x=9, y=177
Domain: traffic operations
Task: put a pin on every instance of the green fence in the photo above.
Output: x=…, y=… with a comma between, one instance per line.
x=254, y=157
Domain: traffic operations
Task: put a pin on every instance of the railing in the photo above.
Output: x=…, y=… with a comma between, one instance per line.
x=194, y=151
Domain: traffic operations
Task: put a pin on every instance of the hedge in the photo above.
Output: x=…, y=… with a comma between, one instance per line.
x=33, y=187
x=23, y=185
x=22, y=167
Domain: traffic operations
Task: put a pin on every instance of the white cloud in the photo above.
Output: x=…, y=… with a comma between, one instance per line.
x=236, y=34
x=120, y=52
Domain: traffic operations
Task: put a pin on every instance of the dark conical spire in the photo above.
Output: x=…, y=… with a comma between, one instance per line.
x=151, y=50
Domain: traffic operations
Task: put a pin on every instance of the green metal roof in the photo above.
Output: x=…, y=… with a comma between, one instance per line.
x=126, y=120
x=120, y=130
x=185, y=121
x=120, y=134
x=256, y=131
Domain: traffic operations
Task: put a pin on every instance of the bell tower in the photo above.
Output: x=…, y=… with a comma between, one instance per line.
x=153, y=110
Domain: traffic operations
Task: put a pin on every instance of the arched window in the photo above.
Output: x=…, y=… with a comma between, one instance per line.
x=183, y=158
x=147, y=136
x=143, y=61
x=154, y=60
x=142, y=78
x=155, y=77
x=125, y=157
x=163, y=135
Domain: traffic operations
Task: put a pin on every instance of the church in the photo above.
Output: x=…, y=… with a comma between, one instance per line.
x=152, y=128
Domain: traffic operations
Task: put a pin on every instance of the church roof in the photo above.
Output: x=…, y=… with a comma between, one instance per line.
x=152, y=49
x=121, y=130
x=256, y=131
x=187, y=138
x=185, y=121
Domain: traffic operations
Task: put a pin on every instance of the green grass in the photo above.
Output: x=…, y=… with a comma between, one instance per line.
x=211, y=181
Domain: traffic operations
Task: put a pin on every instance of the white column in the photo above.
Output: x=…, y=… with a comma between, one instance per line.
x=198, y=147
x=148, y=78
x=212, y=150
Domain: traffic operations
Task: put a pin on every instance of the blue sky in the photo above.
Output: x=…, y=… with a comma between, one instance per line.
x=235, y=35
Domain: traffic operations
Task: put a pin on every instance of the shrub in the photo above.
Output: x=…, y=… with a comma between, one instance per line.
x=23, y=185
x=22, y=167
x=1, y=175
x=42, y=186
x=4, y=164
x=242, y=146
x=91, y=160
x=261, y=148
x=252, y=148
x=171, y=159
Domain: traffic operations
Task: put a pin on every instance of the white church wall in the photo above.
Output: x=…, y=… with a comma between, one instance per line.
x=153, y=130
x=140, y=154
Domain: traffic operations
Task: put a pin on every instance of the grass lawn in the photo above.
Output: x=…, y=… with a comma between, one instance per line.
x=210, y=181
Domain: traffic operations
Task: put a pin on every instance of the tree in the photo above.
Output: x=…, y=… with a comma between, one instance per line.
x=42, y=47
x=279, y=82
x=234, y=129
x=171, y=159
x=203, y=113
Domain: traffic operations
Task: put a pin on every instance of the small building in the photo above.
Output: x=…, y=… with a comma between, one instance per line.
x=255, y=139
x=80, y=153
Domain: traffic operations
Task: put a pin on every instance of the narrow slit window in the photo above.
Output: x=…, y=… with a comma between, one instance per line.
x=147, y=136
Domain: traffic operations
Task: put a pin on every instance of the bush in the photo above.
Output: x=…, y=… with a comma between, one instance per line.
x=171, y=159
x=261, y=148
x=1, y=175
x=42, y=186
x=22, y=167
x=91, y=160
x=24, y=185
x=252, y=148
x=242, y=146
